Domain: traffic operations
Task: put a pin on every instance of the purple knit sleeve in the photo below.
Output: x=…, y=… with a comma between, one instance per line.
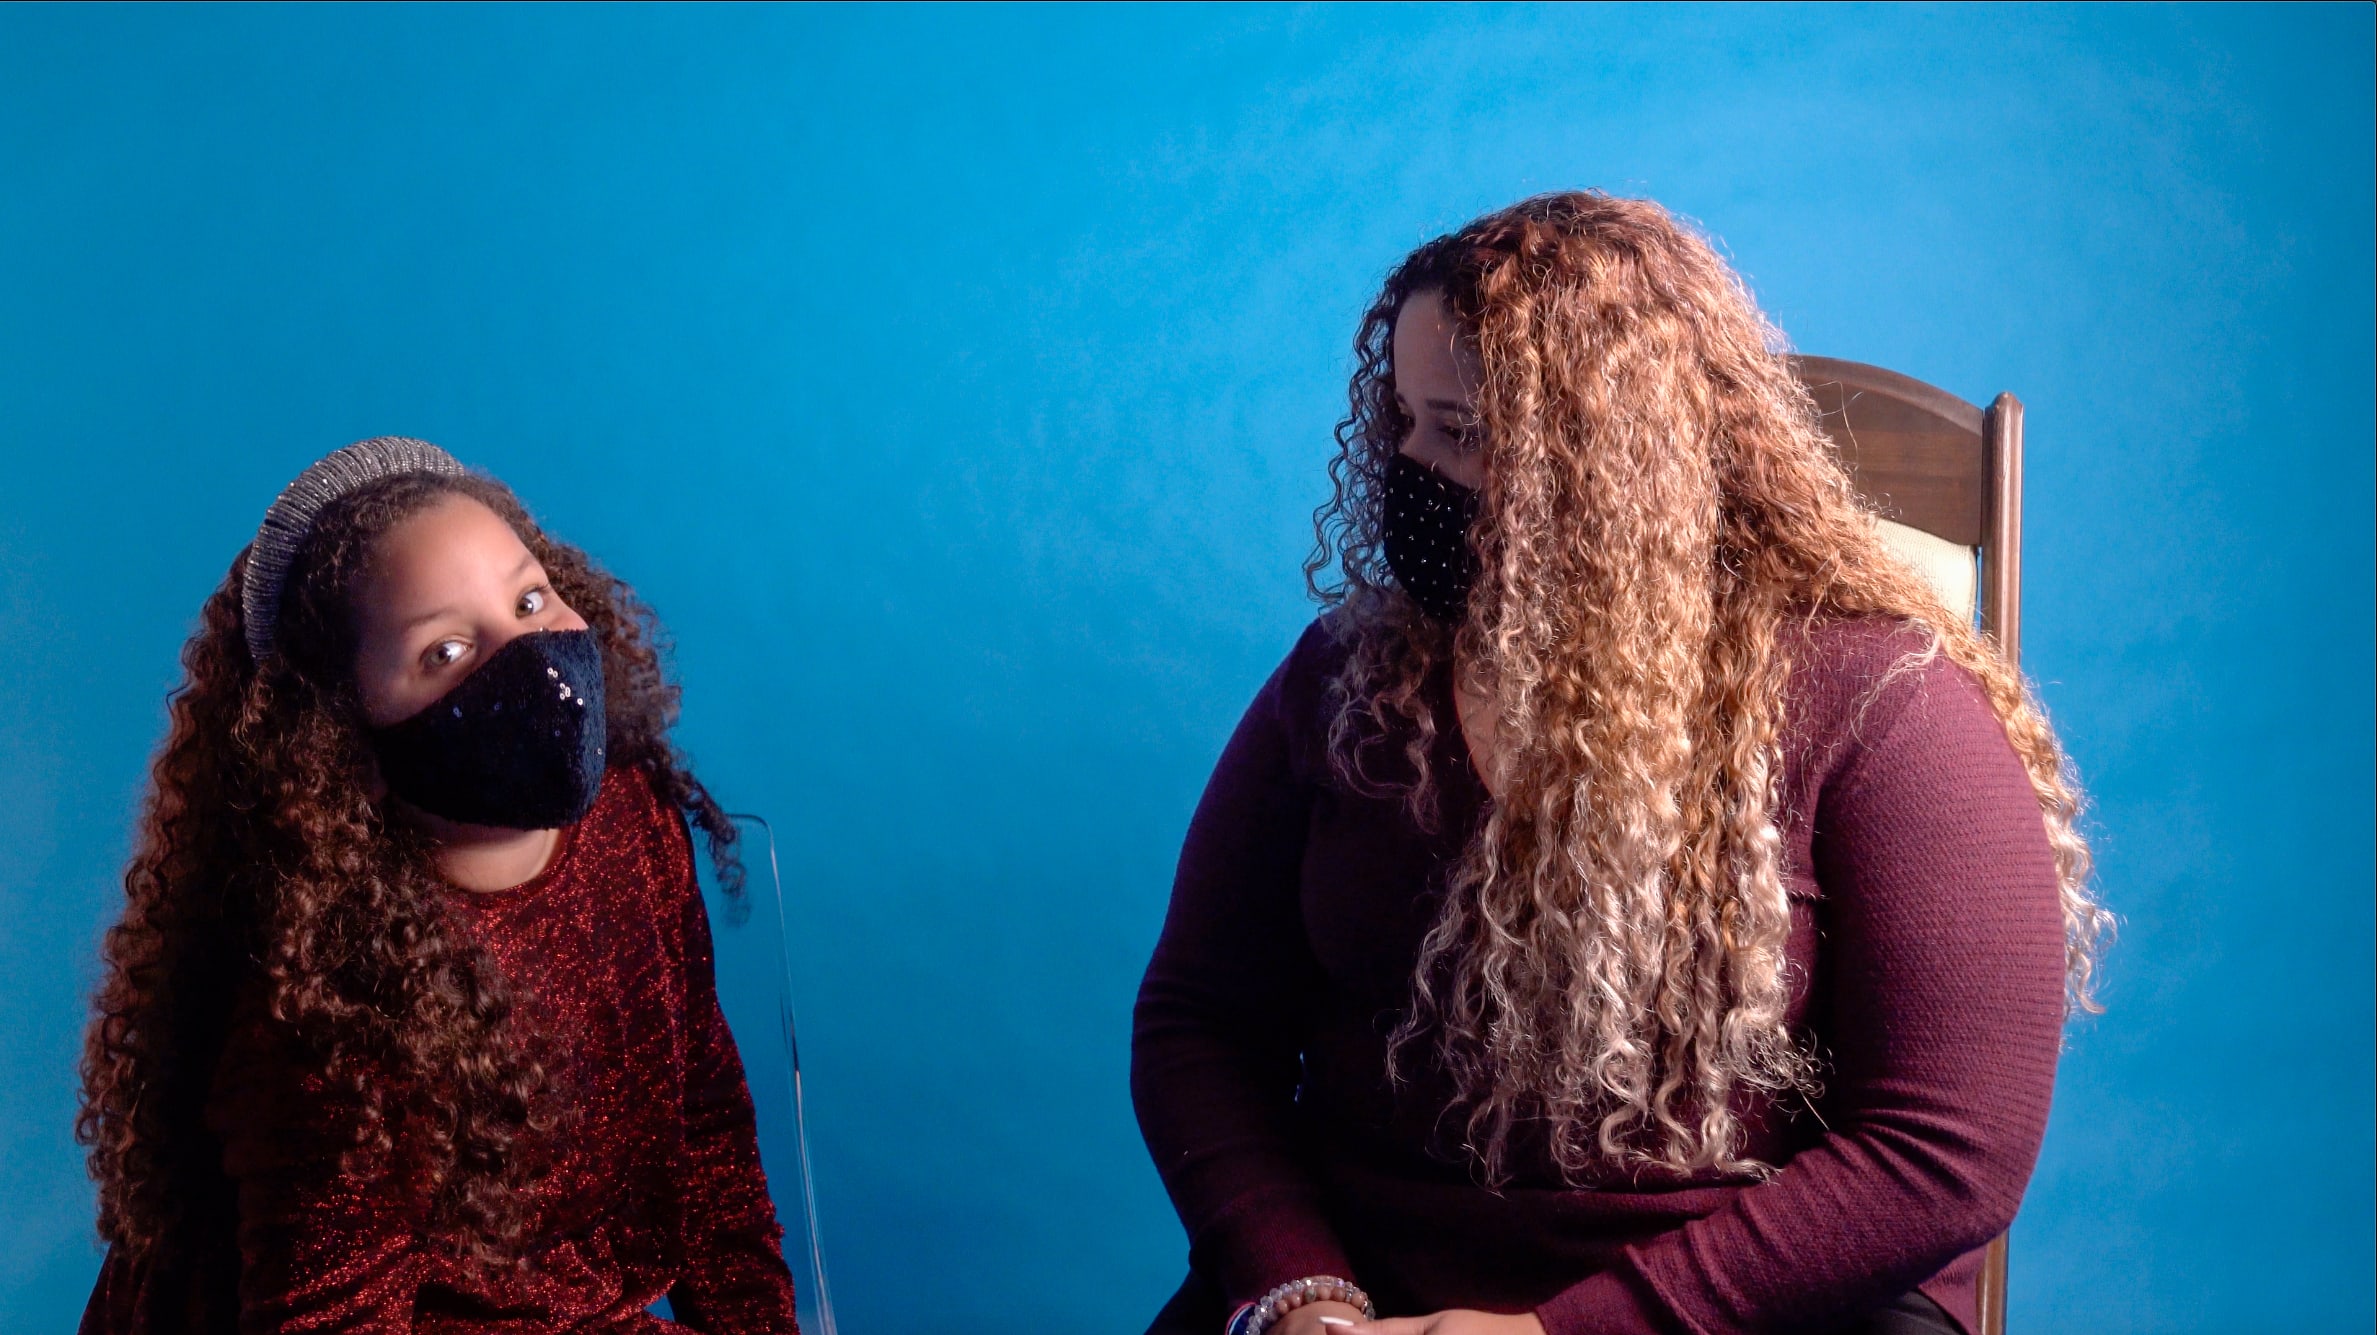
x=1214, y=1054
x=1941, y=988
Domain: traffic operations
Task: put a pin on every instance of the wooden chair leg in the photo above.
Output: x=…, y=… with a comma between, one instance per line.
x=1990, y=1291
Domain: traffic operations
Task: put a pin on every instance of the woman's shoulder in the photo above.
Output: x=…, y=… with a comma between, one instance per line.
x=1321, y=648
x=1857, y=679
x=1834, y=644
x=1301, y=687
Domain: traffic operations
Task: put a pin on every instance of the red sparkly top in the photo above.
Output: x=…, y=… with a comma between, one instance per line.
x=655, y=1187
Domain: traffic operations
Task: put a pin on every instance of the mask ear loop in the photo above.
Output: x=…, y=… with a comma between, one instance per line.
x=792, y=1047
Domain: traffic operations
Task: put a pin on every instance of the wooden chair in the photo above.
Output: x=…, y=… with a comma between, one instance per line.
x=1947, y=477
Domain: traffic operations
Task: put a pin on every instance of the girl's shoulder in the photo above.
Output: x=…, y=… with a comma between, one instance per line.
x=639, y=801
x=634, y=828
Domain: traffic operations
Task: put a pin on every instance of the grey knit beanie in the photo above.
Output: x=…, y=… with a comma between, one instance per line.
x=292, y=517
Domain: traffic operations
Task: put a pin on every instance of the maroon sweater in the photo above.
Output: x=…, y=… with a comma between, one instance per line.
x=1927, y=956
x=654, y=1190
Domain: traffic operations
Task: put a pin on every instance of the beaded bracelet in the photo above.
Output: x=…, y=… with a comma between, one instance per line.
x=1263, y=1313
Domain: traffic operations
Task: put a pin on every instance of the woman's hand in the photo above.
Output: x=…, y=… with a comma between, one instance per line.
x=1456, y=1322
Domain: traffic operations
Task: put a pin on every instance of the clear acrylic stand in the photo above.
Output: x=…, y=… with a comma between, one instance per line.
x=754, y=970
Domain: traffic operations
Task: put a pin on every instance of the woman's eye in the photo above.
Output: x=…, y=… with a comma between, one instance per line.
x=532, y=602
x=444, y=653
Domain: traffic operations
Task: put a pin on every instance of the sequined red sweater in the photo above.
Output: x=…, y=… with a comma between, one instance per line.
x=1926, y=958
x=655, y=1188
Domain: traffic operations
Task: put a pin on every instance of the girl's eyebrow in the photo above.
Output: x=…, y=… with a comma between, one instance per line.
x=430, y=615
x=1447, y=405
x=527, y=560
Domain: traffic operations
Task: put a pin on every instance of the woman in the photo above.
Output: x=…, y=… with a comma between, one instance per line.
x=1637, y=904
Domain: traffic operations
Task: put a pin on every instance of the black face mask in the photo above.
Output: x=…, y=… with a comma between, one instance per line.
x=519, y=743
x=1427, y=530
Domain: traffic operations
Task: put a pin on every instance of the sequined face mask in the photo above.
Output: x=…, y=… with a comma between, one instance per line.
x=519, y=743
x=1428, y=516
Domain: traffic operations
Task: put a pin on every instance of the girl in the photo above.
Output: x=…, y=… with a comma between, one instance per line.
x=1637, y=904
x=409, y=1023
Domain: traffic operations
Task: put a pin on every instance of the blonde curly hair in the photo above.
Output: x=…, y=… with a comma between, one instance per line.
x=1659, y=499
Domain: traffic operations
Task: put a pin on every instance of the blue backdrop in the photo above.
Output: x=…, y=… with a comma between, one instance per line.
x=957, y=384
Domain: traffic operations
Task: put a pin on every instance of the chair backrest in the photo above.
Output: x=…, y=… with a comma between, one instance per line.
x=1933, y=463
x=1947, y=478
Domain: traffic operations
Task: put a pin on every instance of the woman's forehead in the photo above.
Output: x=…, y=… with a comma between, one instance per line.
x=1430, y=353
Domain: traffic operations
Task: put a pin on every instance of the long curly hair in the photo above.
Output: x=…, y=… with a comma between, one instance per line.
x=1660, y=499
x=262, y=860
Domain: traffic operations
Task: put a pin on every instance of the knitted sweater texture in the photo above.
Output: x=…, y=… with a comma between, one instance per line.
x=1926, y=953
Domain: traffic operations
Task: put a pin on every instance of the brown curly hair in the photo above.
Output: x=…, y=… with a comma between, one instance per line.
x=261, y=860
x=1659, y=500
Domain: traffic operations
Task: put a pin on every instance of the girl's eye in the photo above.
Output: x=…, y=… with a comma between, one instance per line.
x=533, y=601
x=1466, y=435
x=444, y=653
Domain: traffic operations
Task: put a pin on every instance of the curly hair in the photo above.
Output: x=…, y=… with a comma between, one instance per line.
x=1659, y=500
x=262, y=860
